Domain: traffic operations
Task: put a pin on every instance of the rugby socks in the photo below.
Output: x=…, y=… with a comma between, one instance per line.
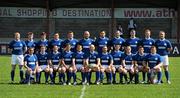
x=148, y=76
x=38, y=77
x=60, y=77
x=46, y=76
x=74, y=77
x=63, y=77
x=121, y=77
x=144, y=76
x=21, y=74
x=114, y=77
x=27, y=77
x=110, y=77
x=101, y=76
x=130, y=76
x=136, y=78
x=83, y=76
x=87, y=75
x=52, y=77
x=12, y=75
x=167, y=75
x=159, y=75
x=97, y=76
x=125, y=77
x=70, y=75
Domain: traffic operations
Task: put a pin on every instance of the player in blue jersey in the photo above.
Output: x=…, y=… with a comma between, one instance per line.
x=116, y=54
x=93, y=63
x=31, y=65
x=55, y=61
x=42, y=42
x=127, y=65
x=147, y=42
x=117, y=40
x=106, y=63
x=18, y=48
x=44, y=65
x=101, y=41
x=79, y=63
x=66, y=66
x=153, y=62
x=30, y=43
x=163, y=49
x=71, y=40
x=56, y=41
x=86, y=41
x=133, y=41
x=138, y=64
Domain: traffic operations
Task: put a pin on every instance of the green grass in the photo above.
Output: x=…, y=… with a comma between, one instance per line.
x=93, y=91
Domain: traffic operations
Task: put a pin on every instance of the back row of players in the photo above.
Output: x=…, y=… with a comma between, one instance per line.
x=131, y=56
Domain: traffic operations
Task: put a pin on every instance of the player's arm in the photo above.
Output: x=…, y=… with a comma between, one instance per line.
x=37, y=65
x=73, y=62
x=123, y=63
x=25, y=65
x=60, y=62
x=63, y=63
x=98, y=62
x=85, y=62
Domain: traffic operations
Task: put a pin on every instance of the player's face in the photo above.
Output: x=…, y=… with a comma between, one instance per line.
x=31, y=51
x=133, y=33
x=147, y=33
x=68, y=47
x=92, y=48
x=43, y=36
x=117, y=47
x=86, y=34
x=118, y=33
x=153, y=50
x=43, y=49
x=104, y=49
x=70, y=35
x=128, y=49
x=17, y=36
x=30, y=36
x=102, y=34
x=79, y=48
x=56, y=36
x=161, y=34
x=55, y=48
x=141, y=50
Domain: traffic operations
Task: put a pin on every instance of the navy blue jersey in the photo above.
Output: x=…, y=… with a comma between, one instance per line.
x=100, y=43
x=73, y=42
x=85, y=44
x=43, y=58
x=55, y=57
x=147, y=43
x=139, y=59
x=117, y=41
x=41, y=43
x=162, y=46
x=31, y=61
x=79, y=57
x=30, y=44
x=54, y=42
x=67, y=57
x=92, y=57
x=17, y=47
x=128, y=58
x=106, y=59
x=153, y=60
x=116, y=57
x=133, y=42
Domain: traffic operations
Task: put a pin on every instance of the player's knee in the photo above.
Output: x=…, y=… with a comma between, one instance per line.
x=46, y=70
x=70, y=69
x=165, y=68
x=50, y=70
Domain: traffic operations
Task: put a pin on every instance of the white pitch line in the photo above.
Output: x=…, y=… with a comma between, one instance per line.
x=82, y=91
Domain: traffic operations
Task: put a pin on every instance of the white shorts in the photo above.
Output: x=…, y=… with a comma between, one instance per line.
x=79, y=66
x=165, y=60
x=55, y=66
x=17, y=59
x=42, y=67
x=128, y=67
x=105, y=66
x=117, y=66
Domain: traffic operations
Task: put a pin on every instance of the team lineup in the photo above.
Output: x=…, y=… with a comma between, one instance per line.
x=104, y=56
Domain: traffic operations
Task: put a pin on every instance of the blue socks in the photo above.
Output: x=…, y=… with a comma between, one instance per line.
x=21, y=74
x=97, y=76
x=167, y=74
x=12, y=75
x=159, y=75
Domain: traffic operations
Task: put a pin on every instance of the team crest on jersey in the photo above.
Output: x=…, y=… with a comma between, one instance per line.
x=156, y=58
x=150, y=43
